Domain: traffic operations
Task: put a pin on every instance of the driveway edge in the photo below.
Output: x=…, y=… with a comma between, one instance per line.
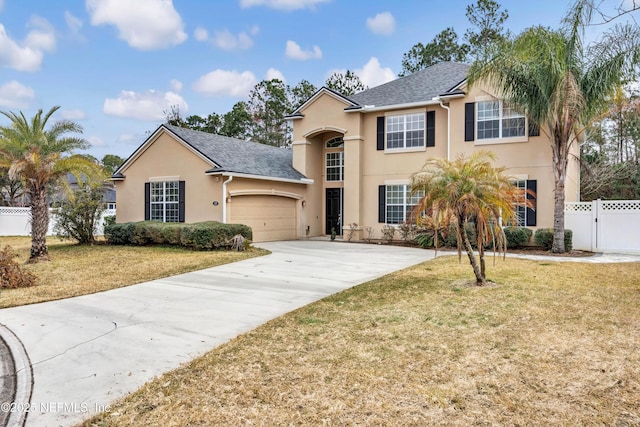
x=24, y=378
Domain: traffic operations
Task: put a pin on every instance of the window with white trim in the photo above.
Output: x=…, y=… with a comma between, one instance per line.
x=405, y=131
x=400, y=203
x=335, y=166
x=521, y=204
x=164, y=200
x=497, y=119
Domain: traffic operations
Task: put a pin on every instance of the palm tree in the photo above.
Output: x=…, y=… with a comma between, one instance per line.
x=470, y=191
x=561, y=84
x=36, y=156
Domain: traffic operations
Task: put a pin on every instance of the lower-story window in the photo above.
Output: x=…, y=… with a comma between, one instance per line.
x=400, y=204
x=164, y=201
x=525, y=215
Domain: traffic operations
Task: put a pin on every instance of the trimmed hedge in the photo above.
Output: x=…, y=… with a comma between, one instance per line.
x=517, y=236
x=544, y=237
x=199, y=236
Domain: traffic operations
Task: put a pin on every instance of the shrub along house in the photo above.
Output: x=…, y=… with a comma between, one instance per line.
x=351, y=161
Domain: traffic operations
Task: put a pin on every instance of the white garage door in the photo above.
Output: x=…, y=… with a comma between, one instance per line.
x=270, y=217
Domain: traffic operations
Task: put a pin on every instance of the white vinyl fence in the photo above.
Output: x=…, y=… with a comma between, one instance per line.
x=604, y=225
x=17, y=221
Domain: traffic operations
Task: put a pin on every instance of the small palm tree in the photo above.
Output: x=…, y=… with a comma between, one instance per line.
x=40, y=158
x=470, y=191
x=561, y=84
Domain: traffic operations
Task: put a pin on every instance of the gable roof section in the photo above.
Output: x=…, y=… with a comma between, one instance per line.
x=230, y=155
x=419, y=87
x=297, y=113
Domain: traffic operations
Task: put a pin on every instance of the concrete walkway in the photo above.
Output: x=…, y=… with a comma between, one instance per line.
x=88, y=351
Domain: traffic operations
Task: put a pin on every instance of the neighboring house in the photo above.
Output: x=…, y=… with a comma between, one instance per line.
x=351, y=161
x=108, y=191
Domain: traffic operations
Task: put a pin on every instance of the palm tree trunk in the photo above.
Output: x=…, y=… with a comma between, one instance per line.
x=480, y=279
x=39, y=226
x=560, y=150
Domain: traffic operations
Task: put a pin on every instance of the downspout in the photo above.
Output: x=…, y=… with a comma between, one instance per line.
x=448, y=128
x=224, y=199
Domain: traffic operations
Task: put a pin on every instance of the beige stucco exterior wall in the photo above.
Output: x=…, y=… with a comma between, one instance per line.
x=166, y=157
x=366, y=168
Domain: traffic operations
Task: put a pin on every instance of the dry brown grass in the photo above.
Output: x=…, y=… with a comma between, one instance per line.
x=550, y=344
x=80, y=270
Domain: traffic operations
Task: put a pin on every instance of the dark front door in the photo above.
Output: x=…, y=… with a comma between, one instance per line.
x=334, y=210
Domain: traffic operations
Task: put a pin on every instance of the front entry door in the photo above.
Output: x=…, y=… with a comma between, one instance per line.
x=334, y=210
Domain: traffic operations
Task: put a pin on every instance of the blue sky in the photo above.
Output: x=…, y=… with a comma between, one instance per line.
x=115, y=65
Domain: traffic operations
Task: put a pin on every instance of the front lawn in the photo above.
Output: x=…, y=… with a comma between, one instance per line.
x=550, y=344
x=80, y=270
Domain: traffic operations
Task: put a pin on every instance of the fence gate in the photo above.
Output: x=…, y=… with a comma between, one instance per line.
x=604, y=225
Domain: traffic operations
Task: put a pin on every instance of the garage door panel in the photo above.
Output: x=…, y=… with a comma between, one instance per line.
x=270, y=217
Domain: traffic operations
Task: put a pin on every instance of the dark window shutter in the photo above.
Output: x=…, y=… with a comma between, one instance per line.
x=382, y=204
x=431, y=128
x=147, y=201
x=180, y=201
x=532, y=188
x=469, y=121
x=380, y=134
x=534, y=128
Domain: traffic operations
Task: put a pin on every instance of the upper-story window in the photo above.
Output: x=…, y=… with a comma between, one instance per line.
x=497, y=119
x=405, y=131
x=334, y=166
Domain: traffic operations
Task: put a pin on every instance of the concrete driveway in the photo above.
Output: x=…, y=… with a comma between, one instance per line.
x=87, y=351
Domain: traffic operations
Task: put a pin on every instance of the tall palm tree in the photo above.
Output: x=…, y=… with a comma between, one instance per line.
x=41, y=158
x=469, y=190
x=561, y=84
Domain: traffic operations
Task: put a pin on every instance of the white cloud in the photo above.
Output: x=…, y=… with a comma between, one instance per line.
x=383, y=23
x=272, y=73
x=28, y=54
x=227, y=41
x=73, y=114
x=283, y=4
x=15, y=95
x=294, y=51
x=143, y=24
x=201, y=34
x=148, y=105
x=176, y=85
x=42, y=36
x=96, y=141
x=372, y=74
x=226, y=83
x=74, y=24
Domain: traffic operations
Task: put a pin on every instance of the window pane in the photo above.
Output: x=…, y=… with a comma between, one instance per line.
x=394, y=214
x=395, y=131
x=335, y=166
x=488, y=129
x=336, y=142
x=513, y=126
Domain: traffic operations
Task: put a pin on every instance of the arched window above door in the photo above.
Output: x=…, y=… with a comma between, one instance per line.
x=336, y=142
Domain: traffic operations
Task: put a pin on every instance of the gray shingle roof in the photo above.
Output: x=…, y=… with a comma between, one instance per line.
x=420, y=86
x=239, y=156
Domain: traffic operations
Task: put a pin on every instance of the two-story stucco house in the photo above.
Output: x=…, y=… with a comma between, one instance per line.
x=351, y=161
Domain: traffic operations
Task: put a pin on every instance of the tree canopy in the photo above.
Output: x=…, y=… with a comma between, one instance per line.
x=473, y=193
x=487, y=30
x=42, y=156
